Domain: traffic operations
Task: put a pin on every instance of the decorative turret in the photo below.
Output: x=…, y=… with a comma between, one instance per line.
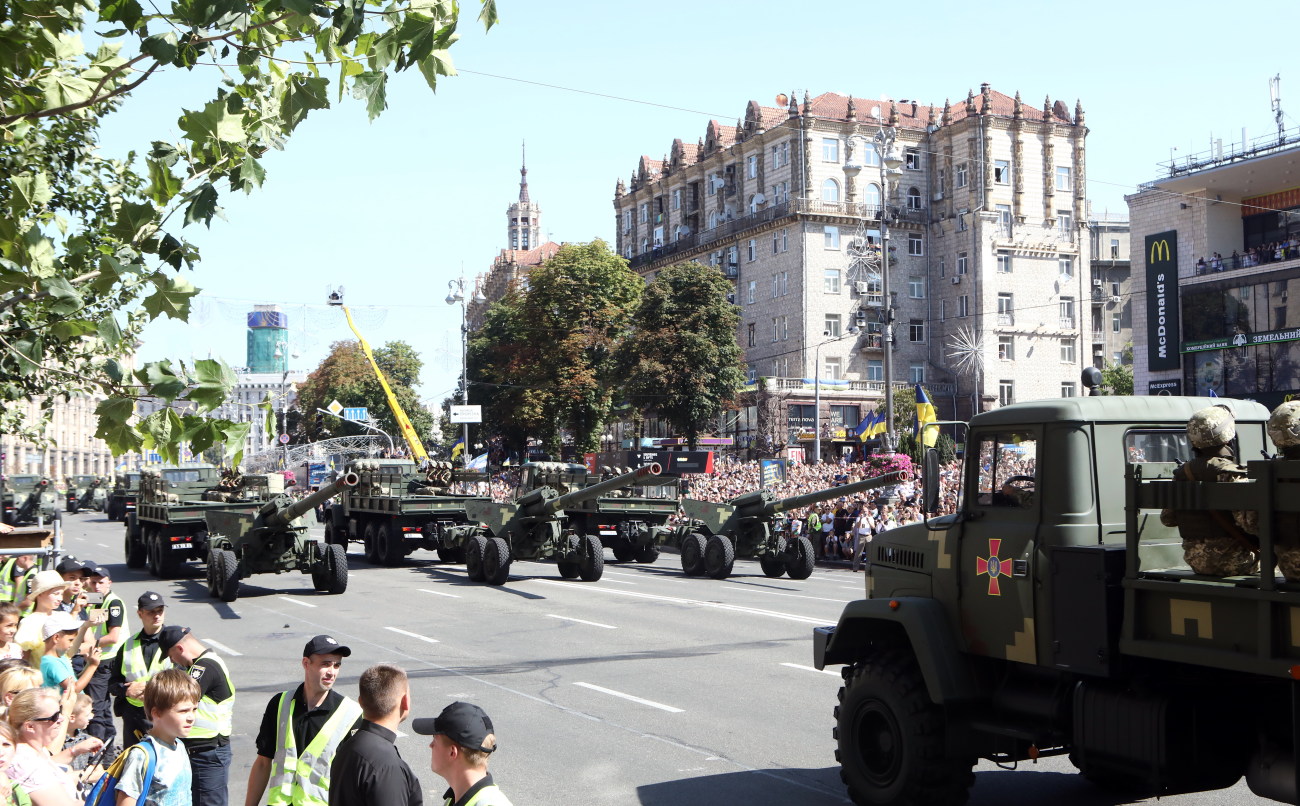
x=893, y=114
x=524, y=228
x=807, y=103
x=947, y=113
x=970, y=102
x=986, y=106
x=794, y=107
x=1078, y=112
x=932, y=119
x=853, y=110
x=1018, y=111
x=620, y=189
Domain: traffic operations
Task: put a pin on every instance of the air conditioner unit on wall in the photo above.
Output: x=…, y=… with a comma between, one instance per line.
x=956, y=280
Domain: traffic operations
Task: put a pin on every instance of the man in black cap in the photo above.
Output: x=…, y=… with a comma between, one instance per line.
x=463, y=739
x=209, y=741
x=110, y=635
x=301, y=730
x=75, y=573
x=367, y=767
x=138, y=660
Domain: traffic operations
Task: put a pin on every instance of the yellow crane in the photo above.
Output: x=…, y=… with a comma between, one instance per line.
x=403, y=422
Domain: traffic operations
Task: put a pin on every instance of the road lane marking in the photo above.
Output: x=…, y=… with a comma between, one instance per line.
x=617, y=574
x=580, y=621
x=440, y=593
x=611, y=692
x=678, y=600
x=812, y=669
x=620, y=582
x=102, y=545
x=222, y=647
x=749, y=586
x=413, y=635
x=295, y=601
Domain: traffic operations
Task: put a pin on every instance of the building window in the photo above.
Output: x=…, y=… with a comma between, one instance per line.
x=785, y=240
x=775, y=293
x=832, y=371
x=645, y=246
x=871, y=195
x=943, y=267
x=912, y=159
x=875, y=370
x=802, y=416
x=1066, y=266
x=783, y=322
x=733, y=256
x=916, y=331
x=752, y=294
x=1006, y=310
x=677, y=199
x=962, y=261
x=1006, y=393
x=1067, y=311
x=830, y=149
x=784, y=283
x=917, y=372
x=959, y=175
x=644, y=213
x=1067, y=388
x=1063, y=177
x=711, y=183
x=779, y=193
x=915, y=244
x=1004, y=219
x=1006, y=348
x=751, y=250
x=943, y=309
x=1114, y=289
x=1114, y=248
x=627, y=220
x=832, y=327
x=1115, y=320
x=844, y=416
x=963, y=305
x=870, y=155
x=961, y=222
x=751, y=332
x=1001, y=172
x=713, y=219
x=751, y=166
x=939, y=183
x=1004, y=264
x=831, y=281
x=1064, y=223
x=913, y=199
x=916, y=287
x=780, y=154
x=776, y=330
x=831, y=237
x=1067, y=351
x=830, y=191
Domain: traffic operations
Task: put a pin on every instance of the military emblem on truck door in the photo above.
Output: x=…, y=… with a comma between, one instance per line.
x=994, y=567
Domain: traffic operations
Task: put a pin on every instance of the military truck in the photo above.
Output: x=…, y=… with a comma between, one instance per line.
x=79, y=492
x=629, y=522
x=535, y=527
x=273, y=539
x=1053, y=614
x=122, y=499
x=396, y=508
x=28, y=499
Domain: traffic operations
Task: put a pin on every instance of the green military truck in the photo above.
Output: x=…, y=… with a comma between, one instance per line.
x=396, y=508
x=122, y=499
x=29, y=498
x=1053, y=614
x=80, y=492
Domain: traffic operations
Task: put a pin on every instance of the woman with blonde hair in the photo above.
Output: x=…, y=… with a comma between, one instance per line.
x=11, y=794
x=15, y=680
x=39, y=719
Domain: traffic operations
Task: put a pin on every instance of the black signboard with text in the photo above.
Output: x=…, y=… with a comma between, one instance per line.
x=674, y=463
x=1163, y=332
x=1169, y=387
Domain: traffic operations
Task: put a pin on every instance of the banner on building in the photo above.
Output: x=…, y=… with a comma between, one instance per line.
x=1163, y=332
x=673, y=463
x=770, y=472
x=1243, y=340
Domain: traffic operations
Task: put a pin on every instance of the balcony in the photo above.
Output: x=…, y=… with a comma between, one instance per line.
x=872, y=341
x=1259, y=256
x=1067, y=322
x=1006, y=320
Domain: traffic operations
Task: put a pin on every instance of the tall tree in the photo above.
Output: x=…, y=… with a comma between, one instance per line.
x=86, y=237
x=346, y=376
x=684, y=362
x=503, y=375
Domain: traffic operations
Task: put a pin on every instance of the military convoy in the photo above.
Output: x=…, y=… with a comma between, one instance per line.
x=1054, y=614
x=28, y=498
x=84, y=492
x=535, y=527
x=122, y=499
x=270, y=538
x=396, y=508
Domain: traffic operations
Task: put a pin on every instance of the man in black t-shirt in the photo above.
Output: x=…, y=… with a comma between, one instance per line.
x=367, y=767
x=110, y=635
x=137, y=661
x=209, y=741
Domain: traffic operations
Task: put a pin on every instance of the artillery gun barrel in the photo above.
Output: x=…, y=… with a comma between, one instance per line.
x=283, y=517
x=798, y=501
x=600, y=488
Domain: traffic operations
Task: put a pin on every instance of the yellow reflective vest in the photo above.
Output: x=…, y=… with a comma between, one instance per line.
x=14, y=590
x=214, y=718
x=304, y=779
x=134, y=667
x=100, y=630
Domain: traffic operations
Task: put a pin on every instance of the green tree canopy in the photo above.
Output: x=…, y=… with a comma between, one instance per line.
x=346, y=376
x=503, y=360
x=683, y=361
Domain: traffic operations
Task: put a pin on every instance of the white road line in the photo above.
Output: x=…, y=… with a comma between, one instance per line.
x=102, y=545
x=754, y=589
x=580, y=621
x=413, y=635
x=222, y=647
x=296, y=601
x=618, y=574
x=621, y=582
x=677, y=600
x=812, y=669
x=440, y=593
x=611, y=692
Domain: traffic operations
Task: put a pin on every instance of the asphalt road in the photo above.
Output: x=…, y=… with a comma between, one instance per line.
x=646, y=687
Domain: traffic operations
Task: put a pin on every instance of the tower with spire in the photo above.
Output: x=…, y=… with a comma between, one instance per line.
x=525, y=218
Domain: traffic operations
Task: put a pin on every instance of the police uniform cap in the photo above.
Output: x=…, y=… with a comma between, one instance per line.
x=1284, y=424
x=464, y=723
x=149, y=601
x=70, y=564
x=170, y=636
x=325, y=645
x=97, y=570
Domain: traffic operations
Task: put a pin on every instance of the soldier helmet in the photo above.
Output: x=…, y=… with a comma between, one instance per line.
x=1211, y=427
x=1284, y=425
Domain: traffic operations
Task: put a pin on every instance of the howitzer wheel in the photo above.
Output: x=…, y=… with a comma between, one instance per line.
x=110, y=511
x=475, y=548
x=388, y=545
x=368, y=540
x=496, y=561
x=336, y=569
x=450, y=554
x=225, y=571
x=719, y=556
x=693, y=554
x=772, y=565
x=133, y=549
x=329, y=533
x=647, y=554
x=623, y=552
x=799, y=557
x=569, y=569
x=591, y=558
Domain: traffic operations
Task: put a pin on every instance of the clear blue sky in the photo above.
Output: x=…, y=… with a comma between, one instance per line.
x=395, y=209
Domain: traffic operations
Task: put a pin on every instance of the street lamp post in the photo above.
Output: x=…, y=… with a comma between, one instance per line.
x=817, y=392
x=457, y=294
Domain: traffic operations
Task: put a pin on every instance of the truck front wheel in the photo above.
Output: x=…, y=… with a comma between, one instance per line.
x=890, y=737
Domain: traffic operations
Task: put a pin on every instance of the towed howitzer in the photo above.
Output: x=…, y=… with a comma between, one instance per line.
x=40, y=502
x=270, y=541
x=714, y=535
x=534, y=528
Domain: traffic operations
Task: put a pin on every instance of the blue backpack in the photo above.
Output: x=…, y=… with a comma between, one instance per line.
x=104, y=793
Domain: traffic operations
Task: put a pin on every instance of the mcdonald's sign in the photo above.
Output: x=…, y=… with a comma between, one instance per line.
x=1163, y=331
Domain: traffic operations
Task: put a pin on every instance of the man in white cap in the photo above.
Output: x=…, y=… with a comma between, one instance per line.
x=301, y=730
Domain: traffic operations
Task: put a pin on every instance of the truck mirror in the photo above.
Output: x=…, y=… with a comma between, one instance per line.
x=930, y=481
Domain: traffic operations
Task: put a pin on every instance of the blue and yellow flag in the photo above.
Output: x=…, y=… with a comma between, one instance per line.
x=872, y=426
x=457, y=447
x=924, y=414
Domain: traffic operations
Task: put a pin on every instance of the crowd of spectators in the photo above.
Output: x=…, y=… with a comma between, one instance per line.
x=1273, y=252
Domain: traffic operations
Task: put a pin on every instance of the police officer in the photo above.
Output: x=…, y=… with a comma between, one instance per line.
x=137, y=661
x=1284, y=430
x=15, y=574
x=300, y=731
x=1214, y=542
x=209, y=741
x=463, y=738
x=110, y=635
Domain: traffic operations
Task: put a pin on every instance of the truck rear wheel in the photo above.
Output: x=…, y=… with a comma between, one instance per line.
x=799, y=564
x=693, y=554
x=496, y=561
x=370, y=543
x=450, y=554
x=591, y=558
x=623, y=552
x=647, y=554
x=133, y=548
x=891, y=743
x=719, y=556
x=475, y=548
x=336, y=570
x=388, y=545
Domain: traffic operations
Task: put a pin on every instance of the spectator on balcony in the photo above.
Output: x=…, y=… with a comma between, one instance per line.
x=1200, y=266
x=1216, y=262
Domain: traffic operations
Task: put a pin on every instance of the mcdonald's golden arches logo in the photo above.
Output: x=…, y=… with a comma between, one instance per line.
x=1160, y=252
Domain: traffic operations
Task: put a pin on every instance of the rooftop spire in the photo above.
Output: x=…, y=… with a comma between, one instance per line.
x=523, y=172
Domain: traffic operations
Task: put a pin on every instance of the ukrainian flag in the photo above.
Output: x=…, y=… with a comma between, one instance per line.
x=925, y=414
x=457, y=447
x=873, y=425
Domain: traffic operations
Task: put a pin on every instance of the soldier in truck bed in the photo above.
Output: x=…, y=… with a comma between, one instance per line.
x=1284, y=430
x=1215, y=542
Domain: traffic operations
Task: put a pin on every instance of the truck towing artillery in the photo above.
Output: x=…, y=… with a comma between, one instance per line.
x=714, y=535
x=535, y=527
x=80, y=492
x=29, y=498
x=123, y=497
x=271, y=539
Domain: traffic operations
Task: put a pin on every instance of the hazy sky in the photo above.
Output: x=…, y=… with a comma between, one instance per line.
x=394, y=209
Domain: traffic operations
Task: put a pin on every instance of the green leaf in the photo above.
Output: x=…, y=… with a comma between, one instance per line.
x=114, y=370
x=251, y=174
x=268, y=412
x=235, y=437
x=438, y=63
x=127, y=12
x=371, y=88
x=109, y=331
x=301, y=95
x=161, y=46
x=163, y=185
x=161, y=380
x=31, y=351
x=113, y=414
x=64, y=89
x=171, y=299
x=113, y=34
x=66, y=330
x=171, y=251
x=201, y=433
x=161, y=431
x=302, y=7
x=65, y=299
x=214, y=123
x=203, y=205
x=214, y=380
x=165, y=153
x=134, y=221
x=30, y=191
x=488, y=16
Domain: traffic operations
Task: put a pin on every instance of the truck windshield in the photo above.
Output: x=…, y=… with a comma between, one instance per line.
x=1008, y=469
x=1157, y=446
x=181, y=475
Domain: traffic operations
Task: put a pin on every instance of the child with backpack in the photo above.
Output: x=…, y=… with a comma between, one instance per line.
x=158, y=774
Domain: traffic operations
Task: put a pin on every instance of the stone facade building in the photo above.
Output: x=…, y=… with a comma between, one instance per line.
x=988, y=250
x=75, y=450
x=1112, y=291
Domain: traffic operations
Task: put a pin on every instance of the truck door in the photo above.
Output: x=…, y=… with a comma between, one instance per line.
x=997, y=544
